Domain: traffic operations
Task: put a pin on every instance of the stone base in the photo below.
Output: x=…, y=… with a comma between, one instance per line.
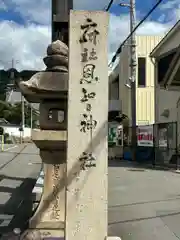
x=50, y=140
x=40, y=234
x=113, y=238
x=34, y=234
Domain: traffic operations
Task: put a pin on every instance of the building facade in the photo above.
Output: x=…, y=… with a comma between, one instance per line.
x=166, y=57
x=145, y=80
x=114, y=99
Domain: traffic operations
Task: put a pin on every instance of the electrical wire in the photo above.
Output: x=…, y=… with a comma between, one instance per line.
x=109, y=5
x=120, y=47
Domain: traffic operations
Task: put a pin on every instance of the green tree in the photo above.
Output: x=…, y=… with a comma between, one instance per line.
x=13, y=113
x=5, y=109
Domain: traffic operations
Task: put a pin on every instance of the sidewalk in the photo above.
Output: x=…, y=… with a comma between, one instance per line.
x=7, y=147
x=19, y=168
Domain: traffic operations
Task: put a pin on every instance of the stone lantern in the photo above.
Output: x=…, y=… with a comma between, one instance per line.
x=49, y=88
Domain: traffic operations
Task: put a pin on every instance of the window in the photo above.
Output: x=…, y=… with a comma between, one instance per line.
x=141, y=72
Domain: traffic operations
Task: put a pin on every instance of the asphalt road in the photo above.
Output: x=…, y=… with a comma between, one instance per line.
x=19, y=168
x=144, y=204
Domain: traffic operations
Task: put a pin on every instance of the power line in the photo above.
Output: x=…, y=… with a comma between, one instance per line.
x=109, y=5
x=146, y=16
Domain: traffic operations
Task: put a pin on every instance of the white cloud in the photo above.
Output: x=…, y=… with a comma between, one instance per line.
x=153, y=28
x=31, y=11
x=3, y=6
x=119, y=30
x=170, y=9
x=40, y=12
x=28, y=44
x=169, y=4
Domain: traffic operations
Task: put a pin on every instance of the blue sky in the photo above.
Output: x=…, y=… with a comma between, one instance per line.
x=25, y=26
x=11, y=16
x=142, y=7
x=11, y=12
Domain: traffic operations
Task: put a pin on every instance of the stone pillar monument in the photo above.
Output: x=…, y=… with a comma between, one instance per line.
x=73, y=134
x=87, y=152
x=49, y=88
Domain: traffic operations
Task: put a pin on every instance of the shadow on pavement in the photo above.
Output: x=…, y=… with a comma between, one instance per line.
x=145, y=218
x=139, y=166
x=18, y=209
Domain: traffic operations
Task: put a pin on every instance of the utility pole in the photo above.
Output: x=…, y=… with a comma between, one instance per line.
x=60, y=19
x=22, y=103
x=11, y=88
x=11, y=85
x=133, y=75
x=31, y=115
x=132, y=66
x=22, y=118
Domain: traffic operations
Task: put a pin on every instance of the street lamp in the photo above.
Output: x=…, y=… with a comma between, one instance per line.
x=124, y=5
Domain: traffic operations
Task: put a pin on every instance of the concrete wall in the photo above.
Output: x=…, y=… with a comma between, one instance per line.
x=114, y=90
x=114, y=101
x=14, y=131
x=166, y=100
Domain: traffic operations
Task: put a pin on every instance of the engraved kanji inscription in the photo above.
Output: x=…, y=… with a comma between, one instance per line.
x=90, y=32
x=84, y=55
x=88, y=55
x=87, y=160
x=88, y=123
x=87, y=96
x=93, y=55
x=88, y=107
x=88, y=74
x=55, y=208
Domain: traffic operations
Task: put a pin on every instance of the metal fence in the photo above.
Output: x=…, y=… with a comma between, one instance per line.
x=166, y=143
x=156, y=143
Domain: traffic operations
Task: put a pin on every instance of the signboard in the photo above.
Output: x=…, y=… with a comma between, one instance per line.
x=145, y=136
x=112, y=133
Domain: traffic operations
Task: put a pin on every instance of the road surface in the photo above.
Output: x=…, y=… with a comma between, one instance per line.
x=144, y=204
x=18, y=173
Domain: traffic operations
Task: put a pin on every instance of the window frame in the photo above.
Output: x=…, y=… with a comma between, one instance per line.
x=145, y=71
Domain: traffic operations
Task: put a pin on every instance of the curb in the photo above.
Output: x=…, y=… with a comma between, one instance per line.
x=38, y=188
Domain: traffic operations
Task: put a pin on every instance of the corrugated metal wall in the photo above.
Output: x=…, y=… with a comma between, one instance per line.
x=145, y=95
x=166, y=100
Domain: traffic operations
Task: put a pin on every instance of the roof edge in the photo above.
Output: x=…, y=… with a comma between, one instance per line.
x=164, y=39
